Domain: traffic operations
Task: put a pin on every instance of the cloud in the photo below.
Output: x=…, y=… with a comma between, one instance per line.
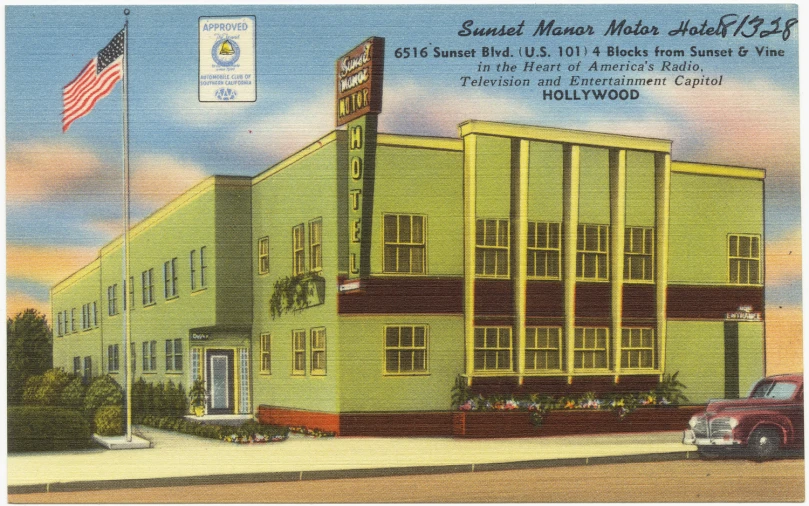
x=157, y=179
x=751, y=123
x=783, y=259
x=46, y=264
x=184, y=107
x=39, y=170
x=16, y=302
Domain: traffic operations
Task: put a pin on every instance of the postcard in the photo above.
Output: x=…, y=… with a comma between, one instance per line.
x=404, y=253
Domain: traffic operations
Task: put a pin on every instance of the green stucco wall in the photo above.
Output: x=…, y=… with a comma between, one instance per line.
x=704, y=210
x=78, y=342
x=545, y=182
x=697, y=351
x=594, y=186
x=640, y=189
x=493, y=178
x=751, y=355
x=364, y=385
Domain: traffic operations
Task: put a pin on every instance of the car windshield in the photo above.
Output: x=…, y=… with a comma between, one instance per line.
x=774, y=390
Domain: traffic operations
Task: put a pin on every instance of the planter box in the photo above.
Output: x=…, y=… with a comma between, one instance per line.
x=495, y=424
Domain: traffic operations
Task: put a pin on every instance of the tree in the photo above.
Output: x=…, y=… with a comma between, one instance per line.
x=29, y=350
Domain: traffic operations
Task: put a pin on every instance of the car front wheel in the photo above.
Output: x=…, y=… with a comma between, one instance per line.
x=764, y=443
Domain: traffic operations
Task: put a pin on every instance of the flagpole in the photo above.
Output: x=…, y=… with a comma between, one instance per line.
x=125, y=251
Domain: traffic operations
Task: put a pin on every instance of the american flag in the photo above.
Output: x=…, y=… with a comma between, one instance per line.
x=94, y=82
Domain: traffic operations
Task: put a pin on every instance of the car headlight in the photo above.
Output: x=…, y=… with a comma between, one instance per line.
x=733, y=422
x=693, y=422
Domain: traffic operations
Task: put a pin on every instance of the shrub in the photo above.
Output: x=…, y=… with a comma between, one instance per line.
x=38, y=428
x=73, y=395
x=46, y=390
x=29, y=394
x=108, y=421
x=103, y=391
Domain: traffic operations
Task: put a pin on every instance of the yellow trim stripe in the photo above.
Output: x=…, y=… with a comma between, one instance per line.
x=308, y=150
x=706, y=169
x=562, y=135
x=412, y=141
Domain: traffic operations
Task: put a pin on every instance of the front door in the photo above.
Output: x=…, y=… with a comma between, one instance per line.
x=220, y=381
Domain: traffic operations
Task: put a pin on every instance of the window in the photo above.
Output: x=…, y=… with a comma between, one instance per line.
x=404, y=250
x=85, y=319
x=543, y=348
x=113, y=358
x=147, y=286
x=88, y=369
x=149, y=356
x=73, y=320
x=77, y=366
x=298, y=253
x=112, y=300
x=95, y=314
x=316, y=245
x=317, y=349
x=637, y=349
x=59, y=323
x=639, y=254
x=174, y=355
x=298, y=352
x=66, y=318
x=264, y=255
x=170, y=278
x=491, y=250
x=591, y=256
x=743, y=258
x=203, y=281
x=406, y=349
x=265, y=354
x=493, y=348
x=543, y=250
x=590, y=350
x=193, y=268
x=130, y=287
x=134, y=359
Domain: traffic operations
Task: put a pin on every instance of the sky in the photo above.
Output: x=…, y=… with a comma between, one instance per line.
x=63, y=191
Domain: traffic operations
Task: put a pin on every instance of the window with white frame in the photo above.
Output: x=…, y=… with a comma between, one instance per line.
x=544, y=250
x=639, y=254
x=543, y=348
x=265, y=354
x=744, y=259
x=113, y=358
x=492, y=248
x=591, y=348
x=317, y=351
x=170, y=278
x=264, y=255
x=149, y=356
x=405, y=244
x=112, y=300
x=591, y=252
x=405, y=349
x=298, y=250
x=493, y=347
x=174, y=355
x=147, y=286
x=316, y=245
x=637, y=348
x=299, y=352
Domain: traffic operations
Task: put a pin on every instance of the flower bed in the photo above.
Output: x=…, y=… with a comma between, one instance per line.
x=249, y=432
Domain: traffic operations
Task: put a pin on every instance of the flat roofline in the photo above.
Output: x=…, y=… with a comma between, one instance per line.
x=297, y=156
x=563, y=135
x=709, y=169
x=76, y=276
x=419, y=141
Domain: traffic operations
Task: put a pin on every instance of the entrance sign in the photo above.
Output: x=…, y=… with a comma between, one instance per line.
x=227, y=59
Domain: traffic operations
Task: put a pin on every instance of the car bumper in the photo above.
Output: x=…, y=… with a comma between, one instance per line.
x=690, y=438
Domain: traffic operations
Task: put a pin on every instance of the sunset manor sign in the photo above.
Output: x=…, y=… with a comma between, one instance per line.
x=359, y=80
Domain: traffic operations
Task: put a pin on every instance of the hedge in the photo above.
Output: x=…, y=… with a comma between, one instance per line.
x=38, y=428
x=224, y=432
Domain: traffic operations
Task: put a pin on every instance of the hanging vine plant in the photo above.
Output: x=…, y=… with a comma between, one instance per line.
x=292, y=294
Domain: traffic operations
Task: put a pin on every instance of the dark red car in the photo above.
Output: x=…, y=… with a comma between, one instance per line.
x=763, y=424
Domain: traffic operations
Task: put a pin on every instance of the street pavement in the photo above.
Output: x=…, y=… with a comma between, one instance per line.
x=179, y=459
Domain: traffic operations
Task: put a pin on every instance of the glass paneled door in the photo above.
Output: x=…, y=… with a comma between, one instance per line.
x=220, y=381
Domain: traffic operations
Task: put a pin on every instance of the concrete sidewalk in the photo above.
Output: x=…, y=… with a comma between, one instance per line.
x=178, y=459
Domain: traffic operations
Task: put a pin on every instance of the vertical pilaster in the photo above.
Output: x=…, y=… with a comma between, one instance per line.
x=570, y=215
x=519, y=218
x=662, y=198
x=617, y=231
x=469, y=217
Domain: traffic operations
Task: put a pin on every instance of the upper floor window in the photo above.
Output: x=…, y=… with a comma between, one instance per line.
x=170, y=278
x=298, y=250
x=591, y=252
x=405, y=244
x=129, y=287
x=263, y=255
x=744, y=259
x=193, y=268
x=203, y=266
x=59, y=330
x=639, y=254
x=492, y=248
x=544, y=251
x=112, y=300
x=95, y=314
x=147, y=283
x=316, y=245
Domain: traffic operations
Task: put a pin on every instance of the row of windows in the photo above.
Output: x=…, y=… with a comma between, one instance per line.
x=544, y=349
x=83, y=368
x=197, y=274
x=174, y=356
x=298, y=249
x=66, y=320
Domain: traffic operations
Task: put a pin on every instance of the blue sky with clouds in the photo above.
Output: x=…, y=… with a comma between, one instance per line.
x=63, y=190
